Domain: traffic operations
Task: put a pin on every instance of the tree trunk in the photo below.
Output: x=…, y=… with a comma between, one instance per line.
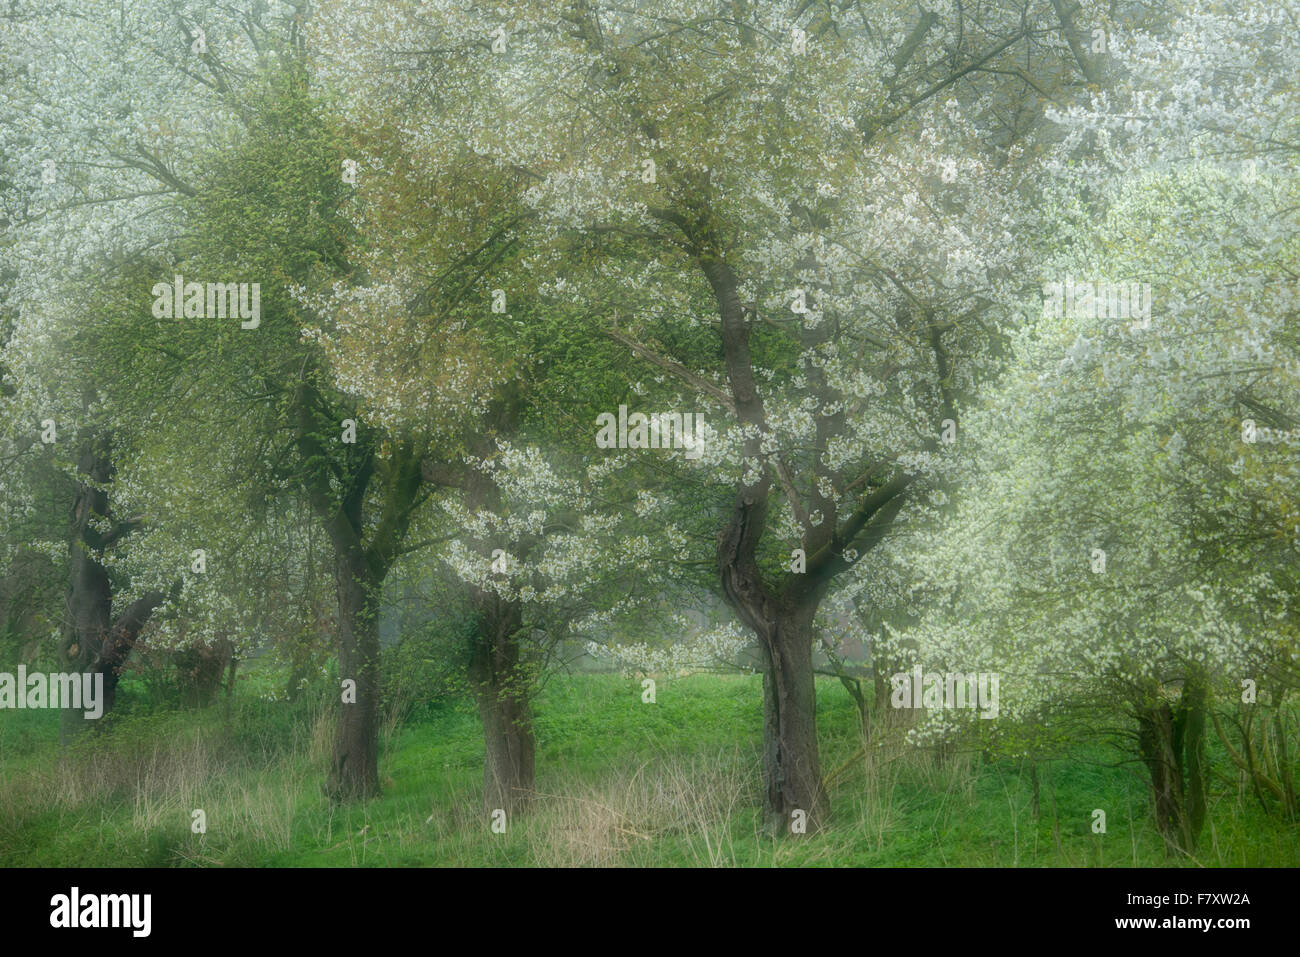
x=1194, y=758
x=1172, y=745
x=509, y=763
x=354, y=764
x=90, y=596
x=93, y=642
x=232, y=668
x=201, y=668
x=791, y=765
x=792, y=779
x=501, y=687
x=89, y=611
x=1155, y=741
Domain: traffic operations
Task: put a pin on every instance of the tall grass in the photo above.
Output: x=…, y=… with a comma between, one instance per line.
x=619, y=784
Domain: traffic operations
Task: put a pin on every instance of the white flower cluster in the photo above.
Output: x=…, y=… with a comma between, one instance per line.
x=696, y=650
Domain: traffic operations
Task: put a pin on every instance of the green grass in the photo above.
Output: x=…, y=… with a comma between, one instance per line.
x=620, y=782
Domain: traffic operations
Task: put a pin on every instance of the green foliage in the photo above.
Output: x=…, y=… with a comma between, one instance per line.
x=426, y=667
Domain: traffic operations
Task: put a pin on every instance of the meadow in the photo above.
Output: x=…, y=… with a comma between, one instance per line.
x=619, y=782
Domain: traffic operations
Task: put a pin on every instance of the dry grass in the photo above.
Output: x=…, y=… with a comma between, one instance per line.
x=151, y=786
x=617, y=820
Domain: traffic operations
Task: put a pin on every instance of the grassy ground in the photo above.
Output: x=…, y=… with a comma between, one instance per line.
x=620, y=782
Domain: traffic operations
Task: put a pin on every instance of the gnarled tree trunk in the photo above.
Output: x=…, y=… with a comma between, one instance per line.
x=791, y=764
x=93, y=643
x=1172, y=745
x=792, y=779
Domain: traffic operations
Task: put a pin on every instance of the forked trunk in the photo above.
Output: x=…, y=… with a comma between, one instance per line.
x=93, y=643
x=1172, y=745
